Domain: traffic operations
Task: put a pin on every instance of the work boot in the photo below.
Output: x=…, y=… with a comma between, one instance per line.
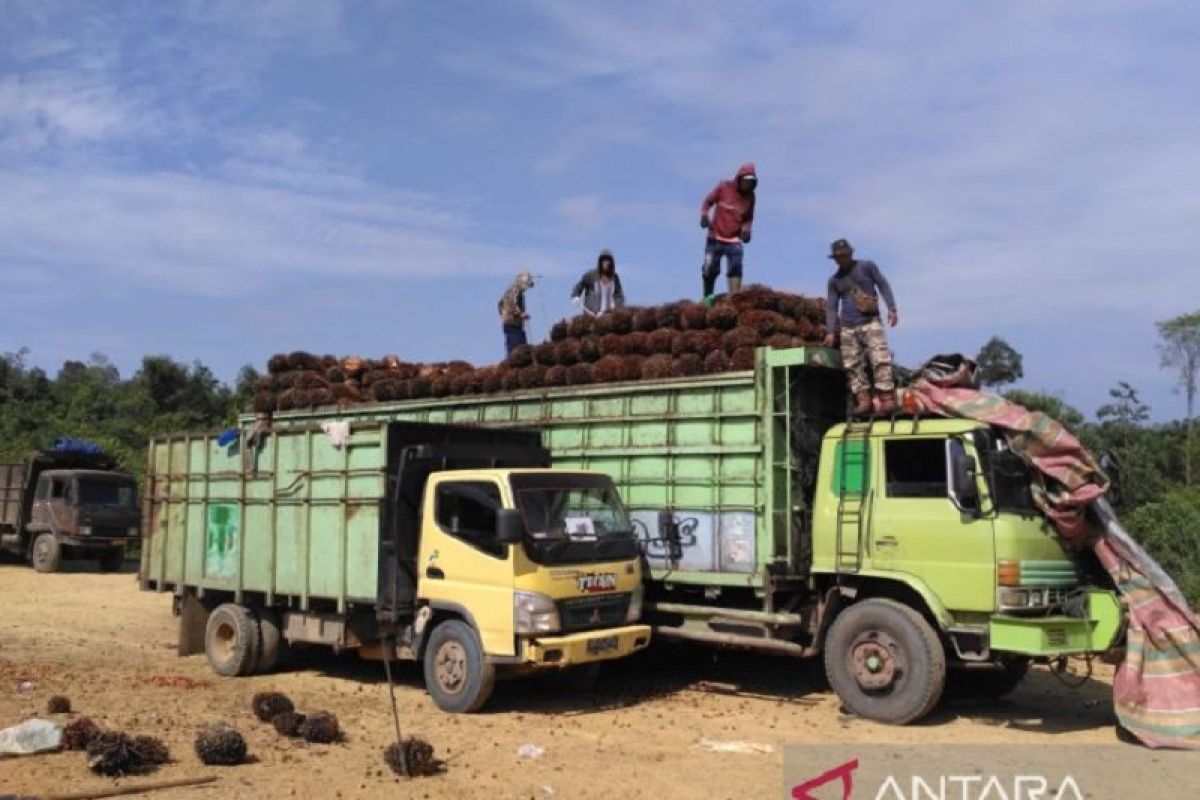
x=862, y=405
x=885, y=403
x=735, y=284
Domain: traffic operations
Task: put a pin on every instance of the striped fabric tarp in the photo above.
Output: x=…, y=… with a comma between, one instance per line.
x=1156, y=690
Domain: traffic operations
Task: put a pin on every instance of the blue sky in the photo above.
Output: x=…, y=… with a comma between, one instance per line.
x=224, y=180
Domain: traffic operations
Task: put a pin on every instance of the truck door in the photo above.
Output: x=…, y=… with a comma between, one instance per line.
x=461, y=565
x=50, y=506
x=917, y=529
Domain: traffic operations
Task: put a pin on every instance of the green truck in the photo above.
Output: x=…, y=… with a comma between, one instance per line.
x=905, y=551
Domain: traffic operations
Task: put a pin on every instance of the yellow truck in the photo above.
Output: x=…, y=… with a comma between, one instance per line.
x=458, y=547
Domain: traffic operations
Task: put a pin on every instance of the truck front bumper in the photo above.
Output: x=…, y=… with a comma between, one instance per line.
x=93, y=542
x=1060, y=634
x=583, y=648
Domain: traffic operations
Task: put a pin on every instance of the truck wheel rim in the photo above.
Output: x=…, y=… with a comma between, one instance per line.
x=875, y=659
x=224, y=638
x=41, y=551
x=450, y=667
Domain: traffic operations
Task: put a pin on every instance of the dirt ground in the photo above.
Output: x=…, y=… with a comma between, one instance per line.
x=641, y=733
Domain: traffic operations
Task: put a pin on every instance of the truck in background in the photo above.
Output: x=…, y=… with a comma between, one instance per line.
x=904, y=552
x=68, y=503
x=457, y=547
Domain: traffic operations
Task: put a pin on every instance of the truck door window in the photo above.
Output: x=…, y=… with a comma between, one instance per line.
x=58, y=489
x=467, y=510
x=915, y=467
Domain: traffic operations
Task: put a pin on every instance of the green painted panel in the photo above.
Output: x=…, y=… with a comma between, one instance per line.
x=325, y=551
x=191, y=540
x=850, y=463
x=257, y=552
x=291, y=536
x=362, y=551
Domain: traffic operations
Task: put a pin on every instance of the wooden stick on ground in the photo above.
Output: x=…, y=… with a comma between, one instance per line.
x=123, y=790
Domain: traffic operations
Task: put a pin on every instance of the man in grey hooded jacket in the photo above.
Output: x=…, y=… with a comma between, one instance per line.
x=599, y=290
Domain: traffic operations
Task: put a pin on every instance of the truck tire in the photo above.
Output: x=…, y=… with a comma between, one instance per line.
x=112, y=560
x=457, y=675
x=46, y=553
x=231, y=640
x=271, y=644
x=987, y=684
x=885, y=662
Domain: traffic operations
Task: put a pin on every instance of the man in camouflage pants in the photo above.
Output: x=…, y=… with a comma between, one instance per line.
x=853, y=311
x=513, y=316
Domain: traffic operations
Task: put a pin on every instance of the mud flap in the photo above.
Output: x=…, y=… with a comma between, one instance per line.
x=193, y=619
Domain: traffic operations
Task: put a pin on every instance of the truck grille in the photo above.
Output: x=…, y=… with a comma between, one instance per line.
x=586, y=613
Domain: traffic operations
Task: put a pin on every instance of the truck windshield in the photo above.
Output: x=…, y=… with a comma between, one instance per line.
x=1009, y=476
x=107, y=493
x=573, y=518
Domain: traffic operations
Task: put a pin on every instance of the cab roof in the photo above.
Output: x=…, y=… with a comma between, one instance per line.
x=908, y=426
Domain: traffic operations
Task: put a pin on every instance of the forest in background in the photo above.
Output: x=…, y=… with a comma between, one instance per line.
x=1157, y=493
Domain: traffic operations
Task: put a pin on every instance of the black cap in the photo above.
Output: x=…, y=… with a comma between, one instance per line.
x=839, y=247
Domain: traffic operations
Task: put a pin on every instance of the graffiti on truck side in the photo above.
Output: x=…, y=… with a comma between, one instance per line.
x=654, y=545
x=722, y=541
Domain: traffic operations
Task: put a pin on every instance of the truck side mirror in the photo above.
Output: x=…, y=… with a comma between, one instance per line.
x=963, y=489
x=510, y=527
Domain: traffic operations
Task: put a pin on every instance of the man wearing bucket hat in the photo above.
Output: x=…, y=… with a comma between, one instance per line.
x=512, y=311
x=852, y=311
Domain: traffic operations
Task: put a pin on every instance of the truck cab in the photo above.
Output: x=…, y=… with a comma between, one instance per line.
x=938, y=515
x=59, y=512
x=540, y=564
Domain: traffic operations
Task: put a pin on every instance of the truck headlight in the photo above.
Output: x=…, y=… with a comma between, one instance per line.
x=85, y=530
x=635, y=605
x=132, y=531
x=535, y=613
x=1014, y=598
x=1028, y=598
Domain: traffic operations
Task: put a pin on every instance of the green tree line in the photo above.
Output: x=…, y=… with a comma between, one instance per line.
x=1153, y=465
x=90, y=399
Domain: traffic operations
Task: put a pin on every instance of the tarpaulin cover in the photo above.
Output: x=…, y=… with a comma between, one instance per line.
x=69, y=444
x=1156, y=690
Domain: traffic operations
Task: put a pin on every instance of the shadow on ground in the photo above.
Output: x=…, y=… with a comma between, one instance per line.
x=1042, y=703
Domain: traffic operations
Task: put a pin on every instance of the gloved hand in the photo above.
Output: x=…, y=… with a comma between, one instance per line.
x=577, y=301
x=704, y=221
x=828, y=341
x=745, y=237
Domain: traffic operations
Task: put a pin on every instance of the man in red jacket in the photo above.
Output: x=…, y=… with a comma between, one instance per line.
x=728, y=227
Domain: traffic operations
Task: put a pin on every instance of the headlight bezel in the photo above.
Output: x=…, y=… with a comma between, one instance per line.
x=535, y=613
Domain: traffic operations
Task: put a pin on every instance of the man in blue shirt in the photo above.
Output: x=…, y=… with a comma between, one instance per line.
x=852, y=310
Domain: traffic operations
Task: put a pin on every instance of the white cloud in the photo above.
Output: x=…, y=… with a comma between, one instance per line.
x=581, y=210
x=218, y=237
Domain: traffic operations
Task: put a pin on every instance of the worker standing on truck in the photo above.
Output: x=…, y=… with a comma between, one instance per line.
x=853, y=311
x=599, y=290
x=728, y=227
x=512, y=311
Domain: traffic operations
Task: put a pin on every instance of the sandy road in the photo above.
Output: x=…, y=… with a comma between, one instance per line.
x=98, y=640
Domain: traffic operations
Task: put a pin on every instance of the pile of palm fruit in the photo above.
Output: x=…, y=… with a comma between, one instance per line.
x=677, y=339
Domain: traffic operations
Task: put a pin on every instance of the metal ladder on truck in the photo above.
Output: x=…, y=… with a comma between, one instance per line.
x=852, y=500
